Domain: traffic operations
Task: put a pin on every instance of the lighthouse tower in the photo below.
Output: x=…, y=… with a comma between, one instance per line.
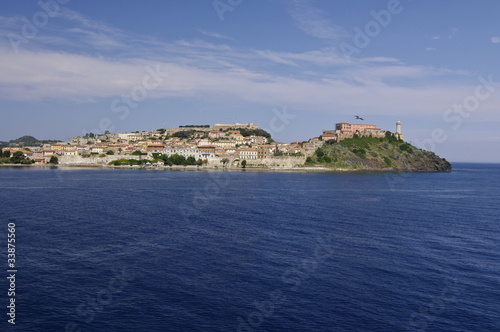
x=399, y=135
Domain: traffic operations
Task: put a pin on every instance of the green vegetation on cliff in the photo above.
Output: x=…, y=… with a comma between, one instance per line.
x=377, y=153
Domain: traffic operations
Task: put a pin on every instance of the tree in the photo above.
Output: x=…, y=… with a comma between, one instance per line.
x=244, y=163
x=137, y=153
x=17, y=157
x=110, y=153
x=54, y=160
x=224, y=161
x=257, y=132
x=6, y=154
x=183, y=134
x=177, y=159
x=320, y=153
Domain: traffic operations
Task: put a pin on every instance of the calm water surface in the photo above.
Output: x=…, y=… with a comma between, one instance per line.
x=146, y=250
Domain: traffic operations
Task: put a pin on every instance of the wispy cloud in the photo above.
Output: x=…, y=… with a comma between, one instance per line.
x=10, y=22
x=495, y=40
x=436, y=37
x=214, y=35
x=430, y=49
x=86, y=22
x=314, y=21
x=317, y=79
x=97, y=39
x=36, y=75
x=203, y=44
x=453, y=33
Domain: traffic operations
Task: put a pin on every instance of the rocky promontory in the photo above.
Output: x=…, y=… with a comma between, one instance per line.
x=370, y=153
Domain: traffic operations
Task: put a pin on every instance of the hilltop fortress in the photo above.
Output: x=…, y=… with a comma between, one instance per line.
x=345, y=130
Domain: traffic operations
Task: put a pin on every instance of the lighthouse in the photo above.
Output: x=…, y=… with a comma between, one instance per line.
x=399, y=135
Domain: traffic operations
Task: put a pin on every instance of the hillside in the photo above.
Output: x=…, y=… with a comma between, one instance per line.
x=377, y=153
x=30, y=141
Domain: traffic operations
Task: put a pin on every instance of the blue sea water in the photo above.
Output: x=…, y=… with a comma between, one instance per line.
x=148, y=250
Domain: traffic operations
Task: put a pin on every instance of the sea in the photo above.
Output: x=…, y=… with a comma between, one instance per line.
x=179, y=250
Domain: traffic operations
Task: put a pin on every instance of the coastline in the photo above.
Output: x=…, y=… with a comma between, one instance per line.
x=311, y=169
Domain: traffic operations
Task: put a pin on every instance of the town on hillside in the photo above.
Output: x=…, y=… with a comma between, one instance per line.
x=201, y=144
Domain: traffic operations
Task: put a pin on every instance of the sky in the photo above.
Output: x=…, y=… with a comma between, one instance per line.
x=296, y=67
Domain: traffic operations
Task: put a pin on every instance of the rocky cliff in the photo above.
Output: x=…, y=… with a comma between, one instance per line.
x=372, y=153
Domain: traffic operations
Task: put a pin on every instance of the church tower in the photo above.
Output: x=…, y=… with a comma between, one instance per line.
x=399, y=135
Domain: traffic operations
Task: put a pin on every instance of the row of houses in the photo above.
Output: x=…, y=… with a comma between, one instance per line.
x=212, y=151
x=127, y=138
x=196, y=148
x=209, y=142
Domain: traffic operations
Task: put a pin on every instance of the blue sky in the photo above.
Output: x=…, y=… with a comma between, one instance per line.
x=294, y=67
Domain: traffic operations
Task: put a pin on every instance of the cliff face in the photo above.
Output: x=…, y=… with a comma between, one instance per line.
x=377, y=154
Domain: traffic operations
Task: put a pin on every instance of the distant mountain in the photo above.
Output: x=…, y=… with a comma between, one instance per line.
x=30, y=141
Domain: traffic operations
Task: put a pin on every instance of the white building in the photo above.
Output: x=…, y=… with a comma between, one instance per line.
x=185, y=151
x=248, y=154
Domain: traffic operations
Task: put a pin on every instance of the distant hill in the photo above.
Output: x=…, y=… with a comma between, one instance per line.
x=377, y=153
x=30, y=141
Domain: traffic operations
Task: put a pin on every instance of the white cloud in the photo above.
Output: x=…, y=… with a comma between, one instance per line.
x=430, y=49
x=37, y=75
x=436, y=37
x=495, y=40
x=319, y=80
